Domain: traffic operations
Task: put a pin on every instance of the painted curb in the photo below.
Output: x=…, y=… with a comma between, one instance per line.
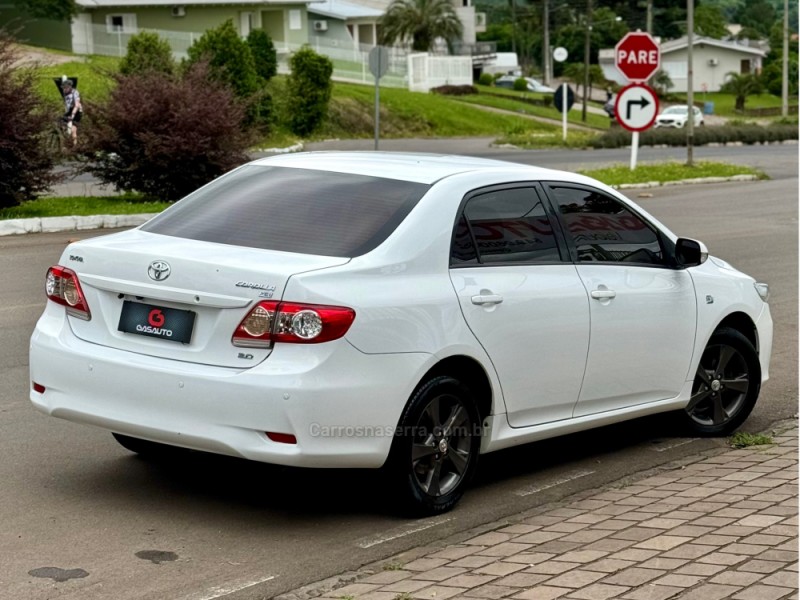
x=655, y=184
x=57, y=224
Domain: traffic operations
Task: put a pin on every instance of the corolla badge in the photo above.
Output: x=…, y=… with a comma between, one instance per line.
x=159, y=270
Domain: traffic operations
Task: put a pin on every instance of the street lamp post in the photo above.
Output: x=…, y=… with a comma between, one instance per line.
x=586, y=58
x=546, y=42
x=690, y=83
x=785, y=66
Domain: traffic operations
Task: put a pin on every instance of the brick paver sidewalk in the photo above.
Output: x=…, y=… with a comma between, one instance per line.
x=724, y=527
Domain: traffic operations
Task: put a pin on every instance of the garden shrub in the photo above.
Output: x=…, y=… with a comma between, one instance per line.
x=308, y=90
x=264, y=55
x=157, y=135
x=229, y=57
x=746, y=134
x=147, y=52
x=455, y=90
x=26, y=165
x=486, y=79
x=520, y=84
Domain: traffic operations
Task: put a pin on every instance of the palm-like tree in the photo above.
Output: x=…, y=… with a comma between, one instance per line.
x=423, y=21
x=742, y=85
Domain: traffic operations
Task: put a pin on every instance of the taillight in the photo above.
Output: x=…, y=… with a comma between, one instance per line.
x=62, y=287
x=293, y=323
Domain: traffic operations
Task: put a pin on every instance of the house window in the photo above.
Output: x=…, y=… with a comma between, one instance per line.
x=121, y=23
x=676, y=70
x=295, y=20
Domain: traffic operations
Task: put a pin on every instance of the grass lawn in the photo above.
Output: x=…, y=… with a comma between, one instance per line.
x=82, y=206
x=513, y=104
x=724, y=103
x=413, y=114
x=669, y=171
x=94, y=78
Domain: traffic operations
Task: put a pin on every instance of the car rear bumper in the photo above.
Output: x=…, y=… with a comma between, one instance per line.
x=342, y=405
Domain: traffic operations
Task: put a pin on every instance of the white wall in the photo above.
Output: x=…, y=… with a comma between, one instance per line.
x=707, y=77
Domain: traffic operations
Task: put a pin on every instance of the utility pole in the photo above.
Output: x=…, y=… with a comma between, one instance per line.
x=690, y=83
x=546, y=42
x=650, y=16
x=586, y=58
x=514, y=27
x=785, y=83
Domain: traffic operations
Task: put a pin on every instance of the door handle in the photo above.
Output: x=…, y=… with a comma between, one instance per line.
x=487, y=299
x=603, y=294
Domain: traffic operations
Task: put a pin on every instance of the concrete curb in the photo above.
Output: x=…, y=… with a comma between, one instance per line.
x=298, y=147
x=655, y=184
x=56, y=224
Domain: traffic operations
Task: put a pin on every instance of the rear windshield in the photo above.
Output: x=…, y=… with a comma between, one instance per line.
x=293, y=210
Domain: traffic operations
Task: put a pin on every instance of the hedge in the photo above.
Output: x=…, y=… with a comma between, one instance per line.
x=746, y=134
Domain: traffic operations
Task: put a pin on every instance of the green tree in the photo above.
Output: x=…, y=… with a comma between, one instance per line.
x=229, y=57
x=606, y=32
x=742, y=86
x=26, y=165
x=421, y=21
x=147, y=52
x=574, y=72
x=757, y=14
x=309, y=90
x=58, y=10
x=772, y=75
x=662, y=82
x=710, y=22
x=264, y=55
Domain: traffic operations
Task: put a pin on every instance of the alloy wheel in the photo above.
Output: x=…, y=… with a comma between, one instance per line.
x=440, y=451
x=720, y=386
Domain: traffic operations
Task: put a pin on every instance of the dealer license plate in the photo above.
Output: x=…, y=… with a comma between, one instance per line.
x=157, y=321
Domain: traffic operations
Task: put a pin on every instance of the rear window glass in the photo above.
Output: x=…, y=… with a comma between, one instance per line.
x=293, y=210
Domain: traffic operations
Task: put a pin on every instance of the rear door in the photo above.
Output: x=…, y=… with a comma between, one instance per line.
x=524, y=303
x=643, y=312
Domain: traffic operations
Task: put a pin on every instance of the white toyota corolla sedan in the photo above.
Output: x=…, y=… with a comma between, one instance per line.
x=402, y=310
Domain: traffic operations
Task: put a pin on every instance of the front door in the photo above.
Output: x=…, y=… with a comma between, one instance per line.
x=526, y=306
x=643, y=313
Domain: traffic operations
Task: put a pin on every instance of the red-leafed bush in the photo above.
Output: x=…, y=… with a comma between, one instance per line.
x=26, y=164
x=165, y=136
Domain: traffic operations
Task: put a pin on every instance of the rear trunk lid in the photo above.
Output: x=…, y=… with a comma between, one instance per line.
x=176, y=298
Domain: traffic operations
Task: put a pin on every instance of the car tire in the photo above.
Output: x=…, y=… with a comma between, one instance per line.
x=726, y=385
x=436, y=446
x=144, y=448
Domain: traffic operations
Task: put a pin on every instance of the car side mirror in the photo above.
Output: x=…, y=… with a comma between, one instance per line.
x=690, y=253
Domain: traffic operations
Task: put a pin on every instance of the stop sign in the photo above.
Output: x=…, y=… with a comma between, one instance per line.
x=637, y=56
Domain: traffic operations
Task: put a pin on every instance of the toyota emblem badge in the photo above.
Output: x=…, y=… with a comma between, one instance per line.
x=158, y=270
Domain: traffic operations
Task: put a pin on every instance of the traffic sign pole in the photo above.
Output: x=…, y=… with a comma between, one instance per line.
x=378, y=65
x=564, y=112
x=637, y=56
x=636, y=109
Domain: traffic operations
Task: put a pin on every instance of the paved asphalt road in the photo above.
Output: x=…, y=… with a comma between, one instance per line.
x=72, y=499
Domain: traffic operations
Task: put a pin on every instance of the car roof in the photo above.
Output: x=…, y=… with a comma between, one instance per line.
x=418, y=167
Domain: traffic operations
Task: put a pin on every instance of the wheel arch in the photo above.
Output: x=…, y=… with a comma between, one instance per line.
x=742, y=323
x=470, y=372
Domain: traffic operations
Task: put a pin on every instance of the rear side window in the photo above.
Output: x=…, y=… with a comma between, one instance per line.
x=293, y=210
x=508, y=226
